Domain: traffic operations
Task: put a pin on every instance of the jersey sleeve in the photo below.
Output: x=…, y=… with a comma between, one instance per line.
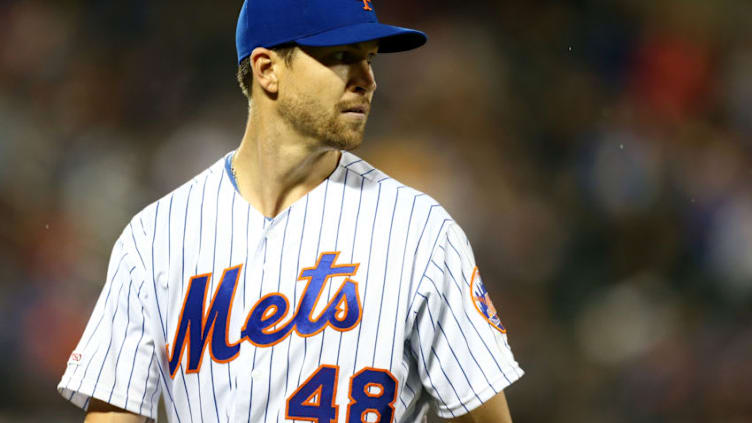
x=457, y=338
x=116, y=361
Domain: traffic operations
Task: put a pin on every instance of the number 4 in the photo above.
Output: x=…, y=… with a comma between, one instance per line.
x=372, y=392
x=314, y=399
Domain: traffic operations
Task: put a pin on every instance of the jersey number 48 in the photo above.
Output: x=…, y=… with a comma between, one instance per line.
x=372, y=393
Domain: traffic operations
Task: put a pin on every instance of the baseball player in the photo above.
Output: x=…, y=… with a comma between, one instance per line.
x=291, y=280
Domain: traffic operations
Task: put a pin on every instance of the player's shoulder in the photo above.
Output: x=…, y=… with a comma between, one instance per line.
x=141, y=228
x=415, y=206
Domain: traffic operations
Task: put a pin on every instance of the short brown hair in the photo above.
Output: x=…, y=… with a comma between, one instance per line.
x=245, y=73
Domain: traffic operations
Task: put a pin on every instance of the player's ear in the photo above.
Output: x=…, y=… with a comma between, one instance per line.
x=266, y=64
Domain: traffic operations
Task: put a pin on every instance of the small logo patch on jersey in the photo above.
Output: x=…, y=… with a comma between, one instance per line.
x=75, y=358
x=482, y=302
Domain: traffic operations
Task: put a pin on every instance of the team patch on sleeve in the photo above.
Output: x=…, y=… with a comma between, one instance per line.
x=482, y=301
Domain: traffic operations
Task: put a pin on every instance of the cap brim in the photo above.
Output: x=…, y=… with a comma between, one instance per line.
x=392, y=39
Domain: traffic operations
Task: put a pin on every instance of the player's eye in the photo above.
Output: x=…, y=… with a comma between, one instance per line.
x=338, y=56
x=347, y=57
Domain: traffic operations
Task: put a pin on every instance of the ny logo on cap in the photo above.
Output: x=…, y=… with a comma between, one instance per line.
x=366, y=5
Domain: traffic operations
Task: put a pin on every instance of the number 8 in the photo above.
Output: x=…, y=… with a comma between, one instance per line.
x=364, y=401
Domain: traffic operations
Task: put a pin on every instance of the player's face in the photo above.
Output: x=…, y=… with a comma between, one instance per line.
x=326, y=93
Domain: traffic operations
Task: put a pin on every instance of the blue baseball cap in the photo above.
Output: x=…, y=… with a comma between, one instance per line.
x=318, y=23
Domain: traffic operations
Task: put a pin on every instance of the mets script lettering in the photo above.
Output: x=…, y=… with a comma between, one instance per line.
x=263, y=327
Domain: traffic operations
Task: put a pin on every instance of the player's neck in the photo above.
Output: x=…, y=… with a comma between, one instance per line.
x=275, y=167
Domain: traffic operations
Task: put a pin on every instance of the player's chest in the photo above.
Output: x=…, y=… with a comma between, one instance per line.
x=275, y=293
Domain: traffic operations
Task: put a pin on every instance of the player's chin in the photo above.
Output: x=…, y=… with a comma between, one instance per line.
x=347, y=139
x=346, y=143
x=349, y=134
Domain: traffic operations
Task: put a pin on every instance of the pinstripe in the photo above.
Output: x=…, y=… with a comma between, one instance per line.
x=318, y=250
x=459, y=326
x=169, y=238
x=430, y=379
x=109, y=345
x=155, y=404
x=185, y=224
x=402, y=271
x=409, y=388
x=143, y=227
x=435, y=242
x=232, y=228
x=383, y=284
x=201, y=223
x=135, y=354
x=323, y=214
x=182, y=273
x=229, y=264
x=404, y=392
x=336, y=245
x=459, y=363
x=480, y=337
x=169, y=251
x=468, y=282
x=279, y=283
x=146, y=382
x=368, y=273
x=459, y=258
x=106, y=300
x=438, y=359
x=182, y=279
x=341, y=208
x=187, y=397
x=153, y=276
x=211, y=283
x=125, y=337
x=352, y=250
x=449, y=380
x=456, y=359
x=198, y=258
x=247, y=249
x=167, y=389
x=261, y=285
x=352, y=163
x=295, y=294
x=86, y=369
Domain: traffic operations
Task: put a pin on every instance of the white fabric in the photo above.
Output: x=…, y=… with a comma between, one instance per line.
x=414, y=276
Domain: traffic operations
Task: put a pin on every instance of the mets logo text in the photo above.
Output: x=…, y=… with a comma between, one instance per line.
x=482, y=302
x=263, y=325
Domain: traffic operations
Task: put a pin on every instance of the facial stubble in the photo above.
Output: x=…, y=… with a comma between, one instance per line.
x=309, y=117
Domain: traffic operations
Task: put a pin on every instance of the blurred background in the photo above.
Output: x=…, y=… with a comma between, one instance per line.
x=596, y=152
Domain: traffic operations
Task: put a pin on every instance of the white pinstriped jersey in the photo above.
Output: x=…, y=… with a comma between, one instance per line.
x=361, y=300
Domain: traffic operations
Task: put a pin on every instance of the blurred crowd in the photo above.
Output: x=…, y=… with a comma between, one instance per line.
x=597, y=153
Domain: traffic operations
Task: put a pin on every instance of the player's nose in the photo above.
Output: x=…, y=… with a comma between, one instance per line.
x=362, y=78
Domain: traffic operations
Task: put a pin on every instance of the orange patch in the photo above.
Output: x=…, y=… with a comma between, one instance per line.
x=482, y=302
